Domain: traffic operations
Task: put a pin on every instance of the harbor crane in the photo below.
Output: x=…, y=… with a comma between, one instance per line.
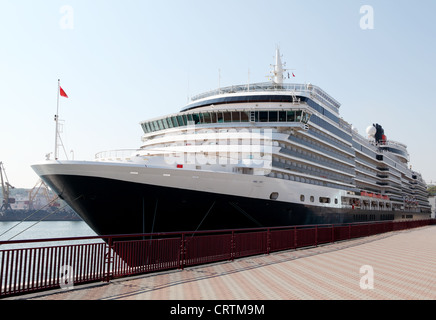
x=5, y=189
x=41, y=187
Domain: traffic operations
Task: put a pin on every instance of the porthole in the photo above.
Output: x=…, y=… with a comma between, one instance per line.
x=274, y=196
x=312, y=198
x=302, y=198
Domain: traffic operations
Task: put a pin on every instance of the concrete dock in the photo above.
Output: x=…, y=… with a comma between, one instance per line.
x=398, y=265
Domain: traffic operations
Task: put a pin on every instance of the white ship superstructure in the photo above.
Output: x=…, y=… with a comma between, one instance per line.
x=263, y=154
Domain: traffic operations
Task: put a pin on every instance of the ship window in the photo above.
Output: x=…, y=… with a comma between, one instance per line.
x=274, y=196
x=165, y=123
x=206, y=117
x=147, y=126
x=306, y=117
x=290, y=116
x=160, y=124
x=227, y=117
x=190, y=118
x=298, y=116
x=273, y=116
x=185, y=119
x=174, y=119
x=312, y=198
x=196, y=118
x=263, y=116
x=236, y=117
x=324, y=200
x=170, y=124
x=180, y=121
x=155, y=126
x=244, y=116
x=302, y=198
x=220, y=118
x=282, y=116
x=213, y=117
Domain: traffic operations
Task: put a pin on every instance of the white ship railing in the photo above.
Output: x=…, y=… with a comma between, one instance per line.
x=395, y=144
x=386, y=143
x=121, y=154
x=268, y=86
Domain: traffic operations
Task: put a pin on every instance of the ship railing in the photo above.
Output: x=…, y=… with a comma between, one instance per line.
x=373, y=143
x=27, y=266
x=396, y=143
x=389, y=143
x=116, y=155
x=268, y=86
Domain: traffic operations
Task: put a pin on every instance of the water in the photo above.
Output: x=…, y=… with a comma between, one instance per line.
x=14, y=230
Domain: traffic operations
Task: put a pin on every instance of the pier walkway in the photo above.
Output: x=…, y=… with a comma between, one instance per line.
x=390, y=266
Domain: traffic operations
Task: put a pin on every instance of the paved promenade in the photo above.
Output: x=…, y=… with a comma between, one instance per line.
x=392, y=266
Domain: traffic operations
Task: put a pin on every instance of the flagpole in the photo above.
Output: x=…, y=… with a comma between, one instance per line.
x=57, y=119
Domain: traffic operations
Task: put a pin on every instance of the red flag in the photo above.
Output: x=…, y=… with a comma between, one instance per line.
x=293, y=74
x=63, y=94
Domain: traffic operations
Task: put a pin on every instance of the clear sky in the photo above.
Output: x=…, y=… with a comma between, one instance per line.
x=121, y=62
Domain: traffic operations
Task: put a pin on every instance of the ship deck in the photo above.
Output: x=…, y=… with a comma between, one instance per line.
x=402, y=263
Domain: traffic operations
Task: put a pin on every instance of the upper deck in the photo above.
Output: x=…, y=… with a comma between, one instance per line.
x=259, y=92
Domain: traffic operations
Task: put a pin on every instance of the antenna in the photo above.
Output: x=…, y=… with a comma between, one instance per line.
x=219, y=80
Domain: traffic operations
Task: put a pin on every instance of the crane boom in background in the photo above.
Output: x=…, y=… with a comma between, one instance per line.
x=7, y=200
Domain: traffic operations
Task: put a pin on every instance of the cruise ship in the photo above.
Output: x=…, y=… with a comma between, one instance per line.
x=244, y=156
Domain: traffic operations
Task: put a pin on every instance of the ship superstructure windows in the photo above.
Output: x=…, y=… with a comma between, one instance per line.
x=262, y=116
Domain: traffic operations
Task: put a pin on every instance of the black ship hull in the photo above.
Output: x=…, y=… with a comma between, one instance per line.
x=111, y=206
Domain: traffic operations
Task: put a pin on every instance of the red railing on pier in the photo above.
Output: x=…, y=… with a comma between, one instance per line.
x=64, y=263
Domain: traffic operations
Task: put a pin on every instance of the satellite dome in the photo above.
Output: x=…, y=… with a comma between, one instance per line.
x=371, y=131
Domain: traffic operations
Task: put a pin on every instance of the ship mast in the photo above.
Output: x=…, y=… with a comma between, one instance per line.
x=57, y=123
x=278, y=69
x=58, y=139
